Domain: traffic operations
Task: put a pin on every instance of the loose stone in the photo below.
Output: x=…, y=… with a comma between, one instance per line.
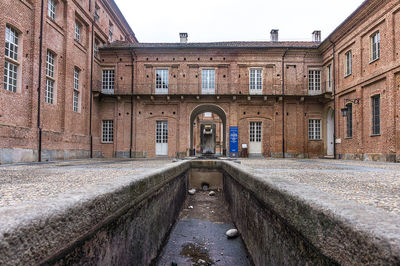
x=190, y=207
x=212, y=193
x=192, y=191
x=232, y=233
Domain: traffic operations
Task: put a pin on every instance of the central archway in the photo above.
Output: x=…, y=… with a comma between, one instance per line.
x=208, y=108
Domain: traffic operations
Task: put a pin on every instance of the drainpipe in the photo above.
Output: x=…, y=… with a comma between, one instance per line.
x=131, y=131
x=40, y=83
x=283, y=103
x=91, y=91
x=334, y=97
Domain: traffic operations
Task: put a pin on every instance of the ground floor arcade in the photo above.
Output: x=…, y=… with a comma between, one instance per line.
x=179, y=127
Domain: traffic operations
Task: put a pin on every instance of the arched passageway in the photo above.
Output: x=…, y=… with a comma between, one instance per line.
x=208, y=108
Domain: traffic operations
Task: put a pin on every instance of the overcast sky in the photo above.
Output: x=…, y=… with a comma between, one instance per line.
x=233, y=20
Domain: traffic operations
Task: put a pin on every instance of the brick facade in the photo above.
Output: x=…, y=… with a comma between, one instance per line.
x=285, y=105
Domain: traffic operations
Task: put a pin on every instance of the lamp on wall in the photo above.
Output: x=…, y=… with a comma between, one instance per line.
x=346, y=109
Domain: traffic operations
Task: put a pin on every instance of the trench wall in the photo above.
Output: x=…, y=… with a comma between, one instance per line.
x=281, y=222
x=123, y=227
x=287, y=223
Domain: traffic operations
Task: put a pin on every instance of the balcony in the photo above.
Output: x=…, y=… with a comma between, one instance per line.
x=196, y=89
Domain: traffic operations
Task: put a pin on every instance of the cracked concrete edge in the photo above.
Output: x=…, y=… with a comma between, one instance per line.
x=40, y=234
x=348, y=232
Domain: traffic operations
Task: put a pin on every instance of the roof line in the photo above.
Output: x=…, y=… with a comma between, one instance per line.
x=124, y=20
x=328, y=38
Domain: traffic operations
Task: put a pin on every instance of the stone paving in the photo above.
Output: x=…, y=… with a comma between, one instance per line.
x=25, y=183
x=375, y=184
x=371, y=183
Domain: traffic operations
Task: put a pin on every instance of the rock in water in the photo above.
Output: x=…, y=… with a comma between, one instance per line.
x=232, y=233
x=192, y=191
x=212, y=193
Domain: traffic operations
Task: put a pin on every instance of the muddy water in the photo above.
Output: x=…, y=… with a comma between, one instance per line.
x=198, y=238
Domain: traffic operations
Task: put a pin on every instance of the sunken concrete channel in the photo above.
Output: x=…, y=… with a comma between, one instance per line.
x=280, y=223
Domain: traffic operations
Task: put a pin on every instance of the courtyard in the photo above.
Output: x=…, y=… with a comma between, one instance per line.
x=374, y=184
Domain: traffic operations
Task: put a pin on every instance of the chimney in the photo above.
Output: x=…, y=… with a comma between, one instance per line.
x=316, y=36
x=183, y=36
x=274, y=35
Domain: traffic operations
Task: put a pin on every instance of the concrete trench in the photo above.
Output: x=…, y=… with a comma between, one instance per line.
x=148, y=222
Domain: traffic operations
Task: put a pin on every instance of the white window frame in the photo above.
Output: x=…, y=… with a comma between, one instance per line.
x=11, y=64
x=50, y=80
x=255, y=131
x=49, y=96
x=348, y=63
x=162, y=81
x=110, y=31
x=108, y=81
x=162, y=131
x=96, y=48
x=208, y=81
x=78, y=29
x=208, y=114
x=375, y=46
x=255, y=81
x=96, y=13
x=107, y=131
x=314, y=81
x=329, y=76
x=314, y=129
x=51, y=9
x=76, y=93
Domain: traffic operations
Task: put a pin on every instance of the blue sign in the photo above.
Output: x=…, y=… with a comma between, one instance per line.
x=233, y=139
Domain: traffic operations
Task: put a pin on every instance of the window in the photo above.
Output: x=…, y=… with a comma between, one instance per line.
x=255, y=81
x=107, y=131
x=314, y=81
x=375, y=46
x=96, y=48
x=208, y=81
x=51, y=9
x=50, y=64
x=162, y=81
x=329, y=77
x=11, y=60
x=77, y=31
x=349, y=124
x=314, y=129
x=96, y=13
x=207, y=114
x=110, y=31
x=76, y=90
x=108, y=81
x=161, y=131
x=376, y=120
x=255, y=131
x=347, y=67
x=49, y=96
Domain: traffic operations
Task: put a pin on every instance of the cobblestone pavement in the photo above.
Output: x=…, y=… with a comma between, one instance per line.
x=371, y=183
x=24, y=183
x=375, y=184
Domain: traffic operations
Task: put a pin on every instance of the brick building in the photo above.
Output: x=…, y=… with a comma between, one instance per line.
x=332, y=98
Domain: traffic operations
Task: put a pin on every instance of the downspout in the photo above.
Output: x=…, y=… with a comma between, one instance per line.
x=40, y=82
x=131, y=131
x=334, y=97
x=91, y=91
x=283, y=103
